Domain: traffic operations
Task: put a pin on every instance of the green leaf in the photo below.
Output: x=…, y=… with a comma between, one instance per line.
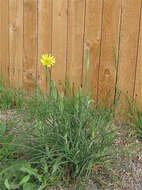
x=87, y=62
x=7, y=184
x=31, y=171
x=17, y=166
x=54, y=92
x=2, y=128
x=24, y=180
x=29, y=186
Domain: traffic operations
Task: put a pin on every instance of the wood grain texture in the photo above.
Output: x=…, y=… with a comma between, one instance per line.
x=15, y=42
x=30, y=44
x=65, y=28
x=59, y=41
x=128, y=46
x=109, y=44
x=138, y=80
x=75, y=49
x=92, y=41
x=4, y=40
x=44, y=39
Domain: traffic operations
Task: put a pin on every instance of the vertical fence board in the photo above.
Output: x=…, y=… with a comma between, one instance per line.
x=59, y=41
x=30, y=44
x=15, y=42
x=65, y=28
x=110, y=41
x=92, y=42
x=44, y=39
x=75, y=47
x=138, y=80
x=128, y=46
x=4, y=40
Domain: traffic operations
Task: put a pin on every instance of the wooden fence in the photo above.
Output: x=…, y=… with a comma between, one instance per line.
x=111, y=29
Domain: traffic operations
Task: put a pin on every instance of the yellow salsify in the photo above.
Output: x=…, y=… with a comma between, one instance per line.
x=47, y=60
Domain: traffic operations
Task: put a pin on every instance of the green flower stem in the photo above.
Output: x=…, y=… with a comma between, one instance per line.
x=49, y=79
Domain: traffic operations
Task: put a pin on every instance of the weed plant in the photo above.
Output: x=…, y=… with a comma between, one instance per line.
x=10, y=98
x=65, y=140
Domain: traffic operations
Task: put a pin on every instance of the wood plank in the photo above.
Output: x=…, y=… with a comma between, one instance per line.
x=138, y=80
x=4, y=40
x=59, y=41
x=128, y=47
x=75, y=51
x=109, y=44
x=92, y=41
x=30, y=44
x=44, y=39
x=15, y=42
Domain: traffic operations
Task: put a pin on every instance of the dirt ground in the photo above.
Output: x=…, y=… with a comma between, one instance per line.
x=130, y=171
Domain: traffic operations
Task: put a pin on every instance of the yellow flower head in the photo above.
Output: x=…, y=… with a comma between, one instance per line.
x=47, y=60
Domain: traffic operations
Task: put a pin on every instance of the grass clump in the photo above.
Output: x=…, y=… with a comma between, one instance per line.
x=135, y=116
x=71, y=138
x=66, y=141
x=62, y=139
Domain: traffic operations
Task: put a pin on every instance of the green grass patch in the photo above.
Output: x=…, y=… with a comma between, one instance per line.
x=56, y=141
